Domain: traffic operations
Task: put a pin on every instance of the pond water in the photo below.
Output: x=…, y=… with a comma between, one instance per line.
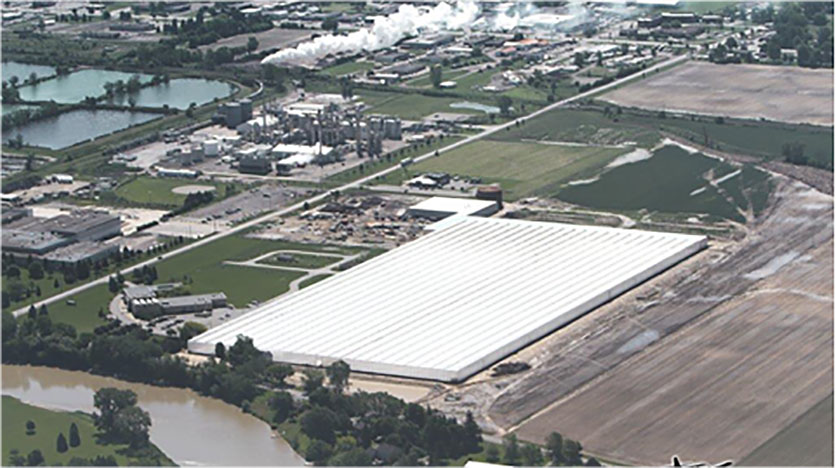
x=23, y=70
x=189, y=428
x=76, y=126
x=179, y=93
x=475, y=106
x=76, y=86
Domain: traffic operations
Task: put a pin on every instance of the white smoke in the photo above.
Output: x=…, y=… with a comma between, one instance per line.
x=385, y=32
x=511, y=15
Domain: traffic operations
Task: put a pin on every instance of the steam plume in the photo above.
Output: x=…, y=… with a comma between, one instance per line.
x=385, y=32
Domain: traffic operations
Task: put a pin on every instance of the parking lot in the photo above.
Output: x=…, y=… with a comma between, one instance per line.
x=248, y=204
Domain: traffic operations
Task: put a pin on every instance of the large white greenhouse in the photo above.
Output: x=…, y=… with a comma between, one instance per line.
x=458, y=299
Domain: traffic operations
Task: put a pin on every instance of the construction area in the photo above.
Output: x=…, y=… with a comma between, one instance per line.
x=739, y=336
x=783, y=94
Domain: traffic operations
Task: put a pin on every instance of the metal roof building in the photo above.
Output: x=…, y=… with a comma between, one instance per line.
x=458, y=299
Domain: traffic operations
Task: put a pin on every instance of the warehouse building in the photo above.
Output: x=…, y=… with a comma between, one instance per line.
x=436, y=208
x=453, y=302
x=150, y=307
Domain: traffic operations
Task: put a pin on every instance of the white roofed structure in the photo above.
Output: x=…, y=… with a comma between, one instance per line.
x=442, y=207
x=453, y=302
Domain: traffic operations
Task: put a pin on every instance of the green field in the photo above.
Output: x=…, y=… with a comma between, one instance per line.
x=203, y=271
x=48, y=424
x=413, y=106
x=310, y=262
x=522, y=169
x=761, y=139
x=579, y=126
x=808, y=441
x=674, y=181
x=348, y=67
x=152, y=191
x=447, y=74
x=312, y=281
x=84, y=315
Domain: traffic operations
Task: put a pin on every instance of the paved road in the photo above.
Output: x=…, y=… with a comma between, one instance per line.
x=356, y=184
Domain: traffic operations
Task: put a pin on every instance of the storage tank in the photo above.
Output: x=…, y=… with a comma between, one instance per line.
x=490, y=192
x=211, y=148
x=234, y=115
x=246, y=109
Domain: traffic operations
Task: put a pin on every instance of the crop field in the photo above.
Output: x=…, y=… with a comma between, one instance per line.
x=808, y=441
x=48, y=424
x=579, y=126
x=522, y=169
x=674, y=181
x=764, y=140
x=708, y=361
x=783, y=94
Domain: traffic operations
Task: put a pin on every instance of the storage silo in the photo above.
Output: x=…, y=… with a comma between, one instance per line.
x=246, y=109
x=490, y=192
x=234, y=115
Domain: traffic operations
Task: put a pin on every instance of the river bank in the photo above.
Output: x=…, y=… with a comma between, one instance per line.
x=189, y=428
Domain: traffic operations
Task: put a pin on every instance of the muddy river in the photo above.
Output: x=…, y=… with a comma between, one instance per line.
x=189, y=428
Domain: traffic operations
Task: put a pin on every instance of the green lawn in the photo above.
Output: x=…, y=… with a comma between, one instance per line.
x=84, y=315
x=348, y=67
x=207, y=273
x=674, y=181
x=312, y=280
x=522, y=169
x=152, y=191
x=311, y=262
x=48, y=424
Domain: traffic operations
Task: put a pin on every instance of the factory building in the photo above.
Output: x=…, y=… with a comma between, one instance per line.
x=150, y=307
x=255, y=164
x=456, y=300
x=428, y=42
x=80, y=252
x=37, y=236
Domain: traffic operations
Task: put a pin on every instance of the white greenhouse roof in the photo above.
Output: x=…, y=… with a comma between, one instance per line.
x=456, y=300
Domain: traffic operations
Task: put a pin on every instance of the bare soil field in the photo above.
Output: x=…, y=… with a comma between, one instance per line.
x=708, y=360
x=784, y=94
